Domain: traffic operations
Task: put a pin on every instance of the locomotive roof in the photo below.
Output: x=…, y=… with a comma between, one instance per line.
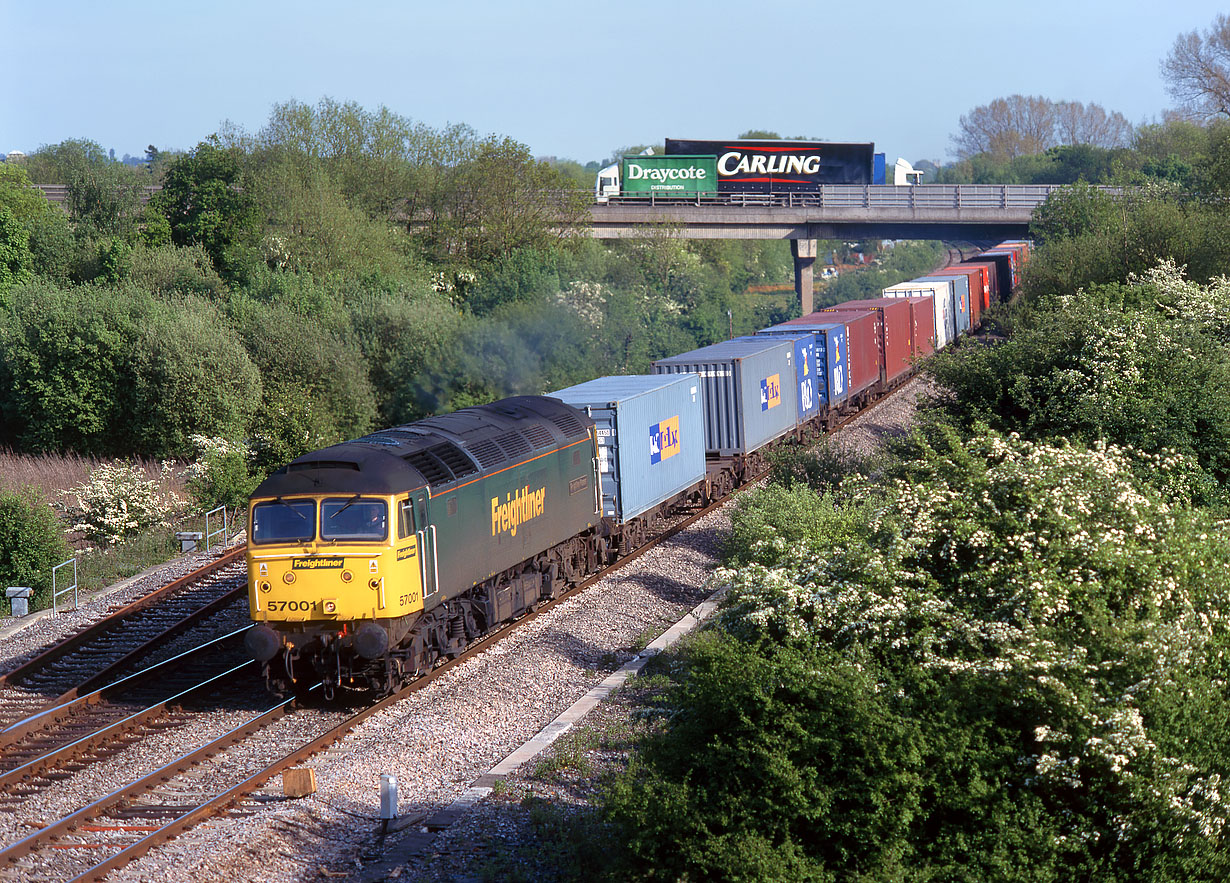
x=439, y=451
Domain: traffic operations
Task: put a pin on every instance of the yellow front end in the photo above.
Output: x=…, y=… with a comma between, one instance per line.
x=331, y=562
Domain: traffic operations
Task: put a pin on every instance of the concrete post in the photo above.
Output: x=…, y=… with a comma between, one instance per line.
x=804, y=251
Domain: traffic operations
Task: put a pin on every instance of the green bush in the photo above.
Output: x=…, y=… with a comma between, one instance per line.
x=773, y=519
x=31, y=543
x=171, y=270
x=1004, y=661
x=308, y=360
x=221, y=474
x=1143, y=365
x=107, y=372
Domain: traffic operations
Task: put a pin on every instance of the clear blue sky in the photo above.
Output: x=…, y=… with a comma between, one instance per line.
x=575, y=79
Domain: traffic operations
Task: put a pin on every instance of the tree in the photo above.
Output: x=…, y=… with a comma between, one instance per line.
x=15, y=258
x=50, y=236
x=1020, y=125
x=1007, y=127
x=204, y=201
x=498, y=200
x=119, y=372
x=1077, y=123
x=1197, y=70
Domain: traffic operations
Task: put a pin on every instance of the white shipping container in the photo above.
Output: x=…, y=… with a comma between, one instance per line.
x=941, y=292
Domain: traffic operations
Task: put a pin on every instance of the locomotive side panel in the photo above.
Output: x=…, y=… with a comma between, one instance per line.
x=493, y=523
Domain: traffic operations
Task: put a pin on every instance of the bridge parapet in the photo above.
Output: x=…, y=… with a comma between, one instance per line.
x=927, y=211
x=937, y=196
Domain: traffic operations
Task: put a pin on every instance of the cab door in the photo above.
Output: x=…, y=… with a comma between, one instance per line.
x=425, y=532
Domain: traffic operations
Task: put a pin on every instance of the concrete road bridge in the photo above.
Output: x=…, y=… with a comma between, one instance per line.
x=978, y=213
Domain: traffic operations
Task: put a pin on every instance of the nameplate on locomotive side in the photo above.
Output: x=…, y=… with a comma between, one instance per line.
x=334, y=563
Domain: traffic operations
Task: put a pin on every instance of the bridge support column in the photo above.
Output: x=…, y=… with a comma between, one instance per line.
x=804, y=251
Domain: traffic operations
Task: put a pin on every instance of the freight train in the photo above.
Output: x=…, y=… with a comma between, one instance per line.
x=371, y=560
x=709, y=168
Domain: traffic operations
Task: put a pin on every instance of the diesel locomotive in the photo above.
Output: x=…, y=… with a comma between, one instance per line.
x=370, y=560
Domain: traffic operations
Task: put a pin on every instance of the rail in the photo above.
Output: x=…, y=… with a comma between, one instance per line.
x=872, y=196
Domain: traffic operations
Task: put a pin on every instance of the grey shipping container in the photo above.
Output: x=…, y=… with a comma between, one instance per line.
x=651, y=437
x=746, y=390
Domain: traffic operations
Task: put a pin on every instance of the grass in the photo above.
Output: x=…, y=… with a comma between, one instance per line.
x=50, y=475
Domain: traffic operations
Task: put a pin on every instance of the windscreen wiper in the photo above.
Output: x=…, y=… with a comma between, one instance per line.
x=349, y=503
x=282, y=502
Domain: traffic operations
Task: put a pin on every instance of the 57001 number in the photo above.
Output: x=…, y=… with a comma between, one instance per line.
x=293, y=606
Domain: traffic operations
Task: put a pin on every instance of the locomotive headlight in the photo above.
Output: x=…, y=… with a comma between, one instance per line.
x=347, y=576
x=328, y=606
x=263, y=585
x=374, y=583
x=288, y=577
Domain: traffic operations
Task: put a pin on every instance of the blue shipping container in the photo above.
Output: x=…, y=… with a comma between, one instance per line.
x=833, y=384
x=960, y=300
x=651, y=437
x=742, y=383
x=805, y=370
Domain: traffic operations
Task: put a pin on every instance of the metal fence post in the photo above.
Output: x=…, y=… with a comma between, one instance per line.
x=209, y=535
x=56, y=591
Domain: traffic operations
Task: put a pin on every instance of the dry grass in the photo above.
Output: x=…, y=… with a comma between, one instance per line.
x=49, y=475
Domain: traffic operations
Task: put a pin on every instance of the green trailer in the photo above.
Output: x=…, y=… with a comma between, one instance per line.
x=669, y=175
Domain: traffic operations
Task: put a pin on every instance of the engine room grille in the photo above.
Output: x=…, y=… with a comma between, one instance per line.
x=514, y=444
x=455, y=459
x=569, y=423
x=432, y=469
x=442, y=464
x=487, y=453
x=539, y=436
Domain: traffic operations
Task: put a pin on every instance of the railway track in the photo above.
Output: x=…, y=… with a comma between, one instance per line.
x=42, y=749
x=105, y=650
x=114, y=824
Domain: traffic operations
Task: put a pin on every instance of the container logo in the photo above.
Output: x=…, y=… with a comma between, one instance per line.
x=664, y=440
x=518, y=507
x=770, y=392
x=807, y=395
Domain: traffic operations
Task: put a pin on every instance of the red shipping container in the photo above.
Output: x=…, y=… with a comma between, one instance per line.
x=990, y=281
x=922, y=313
x=922, y=321
x=896, y=332
x=978, y=291
x=1020, y=246
x=862, y=351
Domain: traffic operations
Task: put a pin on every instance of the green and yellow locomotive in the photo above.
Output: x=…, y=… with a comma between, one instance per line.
x=369, y=560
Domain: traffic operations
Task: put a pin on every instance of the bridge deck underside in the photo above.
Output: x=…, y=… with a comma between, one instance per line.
x=622, y=222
